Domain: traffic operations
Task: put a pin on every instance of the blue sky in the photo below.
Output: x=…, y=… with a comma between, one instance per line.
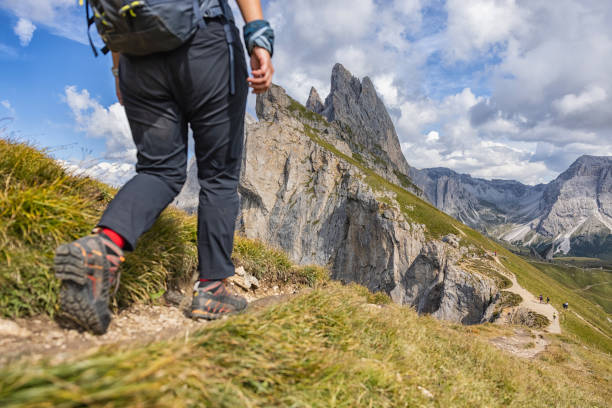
x=33, y=80
x=494, y=88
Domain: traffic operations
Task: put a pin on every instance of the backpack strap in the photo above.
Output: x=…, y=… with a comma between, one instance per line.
x=90, y=21
x=197, y=12
x=227, y=12
x=230, y=38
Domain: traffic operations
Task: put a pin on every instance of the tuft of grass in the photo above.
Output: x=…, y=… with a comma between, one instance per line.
x=41, y=206
x=509, y=299
x=377, y=298
x=484, y=268
x=273, y=265
x=165, y=257
x=529, y=318
x=320, y=349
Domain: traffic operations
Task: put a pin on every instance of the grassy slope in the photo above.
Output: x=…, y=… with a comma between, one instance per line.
x=592, y=284
x=324, y=348
x=321, y=349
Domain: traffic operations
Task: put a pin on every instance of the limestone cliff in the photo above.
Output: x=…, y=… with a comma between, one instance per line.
x=303, y=191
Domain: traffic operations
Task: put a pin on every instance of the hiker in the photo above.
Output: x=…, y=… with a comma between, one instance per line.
x=565, y=305
x=165, y=85
x=541, y=299
x=547, y=299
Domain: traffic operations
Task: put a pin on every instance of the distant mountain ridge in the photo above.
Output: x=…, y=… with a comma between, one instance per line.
x=573, y=213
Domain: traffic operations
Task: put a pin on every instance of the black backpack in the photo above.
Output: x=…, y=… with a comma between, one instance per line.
x=142, y=27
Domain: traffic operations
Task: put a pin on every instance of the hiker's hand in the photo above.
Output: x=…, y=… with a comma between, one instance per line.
x=262, y=70
x=118, y=91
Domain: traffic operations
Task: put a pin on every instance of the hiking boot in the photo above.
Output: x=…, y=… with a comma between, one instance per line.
x=88, y=269
x=212, y=300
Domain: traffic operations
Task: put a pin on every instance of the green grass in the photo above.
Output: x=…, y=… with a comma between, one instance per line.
x=591, y=284
x=509, y=299
x=41, y=207
x=321, y=349
x=405, y=181
x=596, y=333
x=273, y=265
x=484, y=268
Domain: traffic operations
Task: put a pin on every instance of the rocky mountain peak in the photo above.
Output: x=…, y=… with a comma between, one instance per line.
x=270, y=104
x=586, y=165
x=314, y=102
x=356, y=106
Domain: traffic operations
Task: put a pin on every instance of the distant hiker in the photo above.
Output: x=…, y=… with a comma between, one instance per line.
x=547, y=299
x=541, y=299
x=176, y=63
x=554, y=316
x=566, y=305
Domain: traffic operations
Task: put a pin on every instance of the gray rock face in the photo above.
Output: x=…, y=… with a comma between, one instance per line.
x=434, y=284
x=477, y=202
x=572, y=212
x=355, y=105
x=299, y=196
x=314, y=102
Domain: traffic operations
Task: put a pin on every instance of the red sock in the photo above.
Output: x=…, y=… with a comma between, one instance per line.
x=116, y=238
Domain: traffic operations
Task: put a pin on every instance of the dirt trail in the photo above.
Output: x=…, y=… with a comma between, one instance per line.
x=42, y=338
x=590, y=324
x=522, y=344
x=533, y=303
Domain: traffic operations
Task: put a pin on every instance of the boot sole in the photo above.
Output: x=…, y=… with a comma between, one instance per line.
x=77, y=304
x=200, y=314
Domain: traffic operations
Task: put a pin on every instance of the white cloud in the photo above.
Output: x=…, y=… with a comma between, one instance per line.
x=61, y=17
x=6, y=104
x=572, y=103
x=432, y=137
x=24, y=30
x=109, y=124
x=475, y=25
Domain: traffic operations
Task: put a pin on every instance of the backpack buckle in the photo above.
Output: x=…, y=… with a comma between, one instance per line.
x=130, y=8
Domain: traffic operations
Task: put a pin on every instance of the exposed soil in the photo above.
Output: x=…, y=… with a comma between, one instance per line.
x=523, y=343
x=531, y=302
x=42, y=337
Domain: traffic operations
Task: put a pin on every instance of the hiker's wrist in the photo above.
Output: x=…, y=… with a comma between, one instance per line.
x=259, y=33
x=115, y=71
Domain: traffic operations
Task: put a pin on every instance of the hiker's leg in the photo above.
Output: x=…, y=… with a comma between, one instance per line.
x=159, y=130
x=217, y=120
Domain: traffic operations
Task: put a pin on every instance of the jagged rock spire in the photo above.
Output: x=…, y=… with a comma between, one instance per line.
x=355, y=104
x=314, y=102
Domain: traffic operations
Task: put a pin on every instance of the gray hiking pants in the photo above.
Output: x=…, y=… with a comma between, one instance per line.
x=162, y=94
